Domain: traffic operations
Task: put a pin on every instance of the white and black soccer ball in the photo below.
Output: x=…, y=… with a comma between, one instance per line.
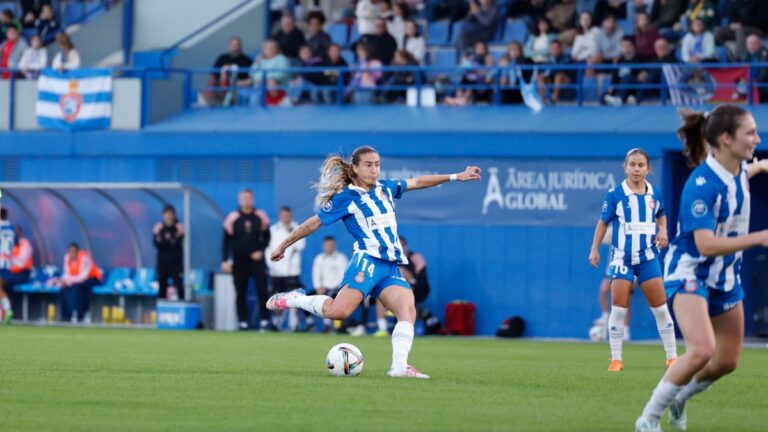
x=344, y=360
x=598, y=333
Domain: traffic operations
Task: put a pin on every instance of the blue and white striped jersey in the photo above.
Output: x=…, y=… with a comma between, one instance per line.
x=713, y=199
x=370, y=217
x=7, y=242
x=634, y=223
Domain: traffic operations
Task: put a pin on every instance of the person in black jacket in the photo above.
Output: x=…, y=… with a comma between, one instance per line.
x=246, y=235
x=168, y=237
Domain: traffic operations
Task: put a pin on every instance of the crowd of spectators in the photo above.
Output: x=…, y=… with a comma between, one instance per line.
x=592, y=33
x=23, y=40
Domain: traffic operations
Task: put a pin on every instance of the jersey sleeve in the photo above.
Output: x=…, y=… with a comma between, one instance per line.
x=395, y=187
x=608, y=211
x=696, y=207
x=335, y=209
x=660, y=209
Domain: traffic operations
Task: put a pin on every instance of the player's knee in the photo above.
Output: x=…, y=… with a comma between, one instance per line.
x=727, y=366
x=700, y=354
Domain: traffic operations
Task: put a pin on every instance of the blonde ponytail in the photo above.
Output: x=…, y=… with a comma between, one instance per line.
x=334, y=177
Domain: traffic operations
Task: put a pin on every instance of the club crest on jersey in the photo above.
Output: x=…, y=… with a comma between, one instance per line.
x=699, y=209
x=605, y=206
x=691, y=285
x=360, y=278
x=652, y=204
x=327, y=207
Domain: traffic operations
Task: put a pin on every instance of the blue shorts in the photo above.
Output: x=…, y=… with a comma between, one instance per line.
x=644, y=272
x=371, y=275
x=719, y=301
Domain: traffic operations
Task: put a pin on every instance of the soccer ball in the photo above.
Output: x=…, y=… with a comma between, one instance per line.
x=344, y=360
x=598, y=333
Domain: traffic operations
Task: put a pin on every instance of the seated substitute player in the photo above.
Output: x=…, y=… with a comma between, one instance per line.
x=350, y=191
x=636, y=211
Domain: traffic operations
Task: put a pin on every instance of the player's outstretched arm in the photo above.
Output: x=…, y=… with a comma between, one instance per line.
x=428, y=181
x=304, y=230
x=756, y=167
x=709, y=245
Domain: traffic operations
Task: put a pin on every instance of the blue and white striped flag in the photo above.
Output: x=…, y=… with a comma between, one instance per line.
x=74, y=100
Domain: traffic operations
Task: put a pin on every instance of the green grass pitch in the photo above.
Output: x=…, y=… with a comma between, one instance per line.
x=76, y=379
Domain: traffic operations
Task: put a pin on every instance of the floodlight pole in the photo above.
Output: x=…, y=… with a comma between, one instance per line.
x=187, y=285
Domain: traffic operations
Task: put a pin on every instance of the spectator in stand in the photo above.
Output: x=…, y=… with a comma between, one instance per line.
x=552, y=78
x=232, y=72
x=511, y=59
x=561, y=16
x=81, y=274
x=289, y=37
x=67, y=57
x=382, y=43
x=665, y=14
x=246, y=235
x=625, y=79
x=438, y=9
x=286, y=273
x=7, y=21
x=334, y=61
x=609, y=41
x=538, y=44
x=274, y=63
x=399, y=79
x=480, y=24
x=327, y=272
x=747, y=17
x=396, y=22
x=365, y=80
x=31, y=9
x=645, y=36
x=276, y=95
x=757, y=53
x=8, y=240
x=366, y=13
x=698, y=44
x=617, y=8
x=318, y=40
x=414, y=42
x=12, y=50
x=306, y=84
x=473, y=77
x=585, y=44
x=46, y=23
x=168, y=238
x=706, y=10
x=662, y=55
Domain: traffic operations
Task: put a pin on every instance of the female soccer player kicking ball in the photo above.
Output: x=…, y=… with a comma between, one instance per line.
x=351, y=191
x=639, y=230
x=704, y=261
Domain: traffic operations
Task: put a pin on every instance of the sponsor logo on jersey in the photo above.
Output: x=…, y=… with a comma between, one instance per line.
x=699, y=209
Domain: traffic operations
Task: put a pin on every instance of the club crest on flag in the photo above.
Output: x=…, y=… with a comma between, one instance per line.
x=71, y=102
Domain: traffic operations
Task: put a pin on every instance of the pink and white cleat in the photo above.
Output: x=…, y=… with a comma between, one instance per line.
x=278, y=301
x=409, y=372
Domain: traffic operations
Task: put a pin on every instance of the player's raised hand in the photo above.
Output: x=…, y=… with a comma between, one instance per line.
x=760, y=165
x=594, y=257
x=278, y=254
x=469, y=174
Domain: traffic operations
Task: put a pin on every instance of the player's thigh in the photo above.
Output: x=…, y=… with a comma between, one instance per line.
x=692, y=316
x=620, y=292
x=345, y=302
x=654, y=291
x=400, y=301
x=729, y=336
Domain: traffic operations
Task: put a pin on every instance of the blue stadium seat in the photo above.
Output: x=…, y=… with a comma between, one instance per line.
x=115, y=280
x=438, y=33
x=515, y=30
x=198, y=280
x=12, y=7
x=143, y=281
x=443, y=58
x=455, y=32
x=722, y=54
x=349, y=56
x=354, y=35
x=628, y=27
x=497, y=51
x=338, y=33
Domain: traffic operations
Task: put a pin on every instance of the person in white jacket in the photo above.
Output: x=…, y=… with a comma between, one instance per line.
x=698, y=45
x=34, y=59
x=327, y=273
x=286, y=274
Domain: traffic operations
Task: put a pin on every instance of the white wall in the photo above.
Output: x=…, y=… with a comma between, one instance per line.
x=160, y=23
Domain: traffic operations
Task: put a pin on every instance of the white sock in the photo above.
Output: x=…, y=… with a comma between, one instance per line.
x=402, y=339
x=312, y=304
x=666, y=328
x=6, y=304
x=604, y=317
x=662, y=397
x=616, y=330
x=382, y=324
x=693, y=388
